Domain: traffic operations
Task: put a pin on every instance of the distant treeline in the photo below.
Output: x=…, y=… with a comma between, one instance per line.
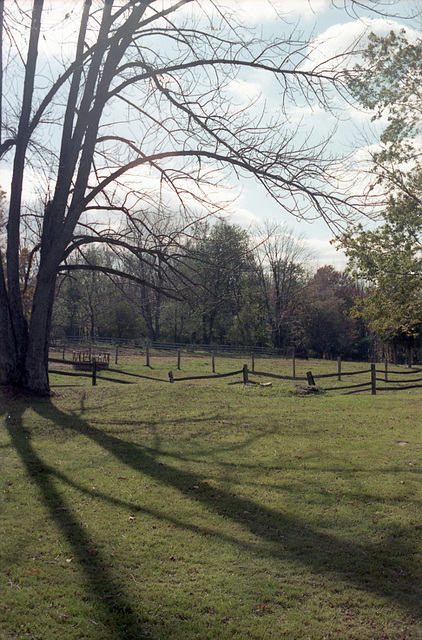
x=224, y=288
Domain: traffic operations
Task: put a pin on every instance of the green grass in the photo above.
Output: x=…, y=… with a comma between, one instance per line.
x=209, y=510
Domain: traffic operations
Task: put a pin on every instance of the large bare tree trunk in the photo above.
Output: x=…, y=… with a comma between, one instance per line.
x=9, y=369
x=36, y=362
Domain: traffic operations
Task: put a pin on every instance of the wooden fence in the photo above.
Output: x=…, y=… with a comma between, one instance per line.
x=368, y=385
x=375, y=376
x=372, y=383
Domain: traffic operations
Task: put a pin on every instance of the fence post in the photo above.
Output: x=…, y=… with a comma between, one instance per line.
x=310, y=377
x=386, y=368
x=117, y=354
x=294, y=366
x=94, y=372
x=64, y=351
x=253, y=362
x=373, y=379
x=178, y=359
x=147, y=354
x=171, y=376
x=339, y=367
x=245, y=374
x=213, y=361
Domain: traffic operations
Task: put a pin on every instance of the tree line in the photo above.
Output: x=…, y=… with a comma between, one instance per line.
x=236, y=287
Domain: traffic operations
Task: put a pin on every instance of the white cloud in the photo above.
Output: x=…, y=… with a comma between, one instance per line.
x=35, y=184
x=340, y=38
x=5, y=178
x=314, y=116
x=262, y=10
x=326, y=253
x=59, y=26
x=249, y=90
x=256, y=11
x=244, y=217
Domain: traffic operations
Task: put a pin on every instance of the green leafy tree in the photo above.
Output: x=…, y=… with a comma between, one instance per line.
x=221, y=260
x=388, y=84
x=85, y=295
x=388, y=260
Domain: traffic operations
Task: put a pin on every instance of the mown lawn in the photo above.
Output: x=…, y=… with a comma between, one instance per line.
x=210, y=510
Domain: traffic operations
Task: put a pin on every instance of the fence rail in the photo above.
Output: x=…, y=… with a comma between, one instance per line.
x=372, y=385
x=143, y=344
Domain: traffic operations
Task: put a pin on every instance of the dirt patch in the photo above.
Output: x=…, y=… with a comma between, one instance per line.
x=307, y=390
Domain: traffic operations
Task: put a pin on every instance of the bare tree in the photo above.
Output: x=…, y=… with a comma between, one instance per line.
x=283, y=267
x=135, y=115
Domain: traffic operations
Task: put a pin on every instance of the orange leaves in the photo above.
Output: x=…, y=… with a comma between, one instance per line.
x=261, y=609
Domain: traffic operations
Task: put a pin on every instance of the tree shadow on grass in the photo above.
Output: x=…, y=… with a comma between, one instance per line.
x=122, y=621
x=370, y=567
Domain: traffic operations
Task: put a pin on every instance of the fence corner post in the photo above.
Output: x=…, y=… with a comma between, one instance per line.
x=310, y=377
x=409, y=357
x=373, y=380
x=245, y=374
x=94, y=372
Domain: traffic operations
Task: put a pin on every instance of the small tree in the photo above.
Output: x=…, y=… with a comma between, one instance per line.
x=282, y=262
x=220, y=258
x=328, y=329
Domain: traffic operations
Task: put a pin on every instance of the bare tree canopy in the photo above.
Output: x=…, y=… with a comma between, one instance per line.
x=132, y=114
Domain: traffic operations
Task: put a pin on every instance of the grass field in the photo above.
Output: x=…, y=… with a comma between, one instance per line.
x=209, y=510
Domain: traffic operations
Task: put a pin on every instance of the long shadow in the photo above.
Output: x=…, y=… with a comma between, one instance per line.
x=371, y=567
x=116, y=605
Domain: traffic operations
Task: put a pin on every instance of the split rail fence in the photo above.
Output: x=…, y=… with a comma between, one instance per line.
x=387, y=377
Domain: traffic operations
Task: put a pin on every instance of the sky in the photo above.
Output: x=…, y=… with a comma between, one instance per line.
x=330, y=31
x=330, y=27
